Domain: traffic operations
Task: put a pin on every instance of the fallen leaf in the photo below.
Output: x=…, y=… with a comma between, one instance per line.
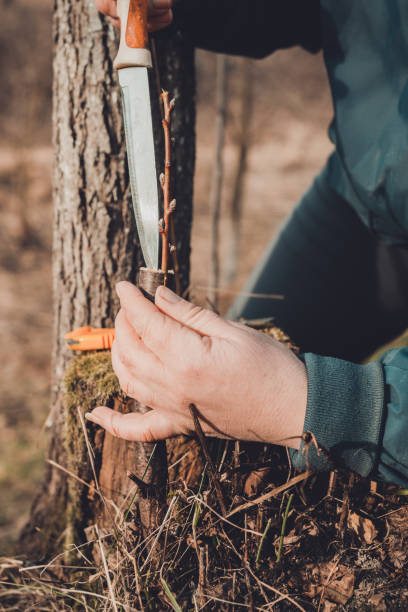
x=336, y=582
x=312, y=530
x=290, y=539
x=362, y=527
x=329, y=606
x=378, y=602
x=311, y=590
x=398, y=558
x=257, y=481
x=399, y=519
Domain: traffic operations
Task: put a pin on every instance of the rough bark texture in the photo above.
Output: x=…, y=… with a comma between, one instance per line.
x=95, y=243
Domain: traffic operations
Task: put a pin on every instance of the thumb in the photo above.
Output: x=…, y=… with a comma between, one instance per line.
x=199, y=319
x=136, y=427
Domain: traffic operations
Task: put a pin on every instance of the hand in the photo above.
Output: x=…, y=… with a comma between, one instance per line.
x=160, y=13
x=167, y=355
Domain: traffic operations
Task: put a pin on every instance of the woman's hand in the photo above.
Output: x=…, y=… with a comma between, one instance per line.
x=170, y=354
x=160, y=13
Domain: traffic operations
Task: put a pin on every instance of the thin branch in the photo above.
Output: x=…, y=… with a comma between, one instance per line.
x=210, y=463
x=165, y=182
x=222, y=518
x=172, y=229
x=259, y=500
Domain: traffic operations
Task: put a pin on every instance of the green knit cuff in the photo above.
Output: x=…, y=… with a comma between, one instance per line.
x=345, y=412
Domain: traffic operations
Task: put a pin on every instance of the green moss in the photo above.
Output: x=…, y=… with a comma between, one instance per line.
x=89, y=382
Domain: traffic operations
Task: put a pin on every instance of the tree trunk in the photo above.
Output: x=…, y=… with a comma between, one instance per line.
x=95, y=241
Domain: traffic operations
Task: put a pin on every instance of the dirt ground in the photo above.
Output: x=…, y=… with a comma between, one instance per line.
x=288, y=147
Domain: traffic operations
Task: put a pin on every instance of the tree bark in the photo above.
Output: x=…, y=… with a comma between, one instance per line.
x=95, y=240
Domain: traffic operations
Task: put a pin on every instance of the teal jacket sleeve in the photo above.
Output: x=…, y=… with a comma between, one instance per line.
x=254, y=28
x=359, y=414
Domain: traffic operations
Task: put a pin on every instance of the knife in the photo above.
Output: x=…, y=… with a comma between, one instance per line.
x=132, y=62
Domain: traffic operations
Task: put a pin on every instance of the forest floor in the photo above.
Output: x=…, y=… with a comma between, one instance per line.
x=349, y=539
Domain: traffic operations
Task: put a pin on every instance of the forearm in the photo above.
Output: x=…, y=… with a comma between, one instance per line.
x=254, y=28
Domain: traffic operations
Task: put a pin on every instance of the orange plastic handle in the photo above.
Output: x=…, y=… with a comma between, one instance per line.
x=136, y=28
x=90, y=339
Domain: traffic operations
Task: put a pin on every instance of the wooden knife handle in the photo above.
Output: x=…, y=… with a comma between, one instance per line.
x=149, y=280
x=134, y=38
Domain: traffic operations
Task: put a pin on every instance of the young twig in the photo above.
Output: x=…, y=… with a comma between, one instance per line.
x=168, y=206
x=176, y=265
x=210, y=463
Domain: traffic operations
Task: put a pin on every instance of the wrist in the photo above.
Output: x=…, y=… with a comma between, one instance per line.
x=284, y=422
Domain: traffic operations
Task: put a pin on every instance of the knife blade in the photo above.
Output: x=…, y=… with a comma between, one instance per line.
x=132, y=62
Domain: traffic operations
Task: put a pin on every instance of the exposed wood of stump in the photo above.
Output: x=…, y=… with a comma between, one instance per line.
x=146, y=461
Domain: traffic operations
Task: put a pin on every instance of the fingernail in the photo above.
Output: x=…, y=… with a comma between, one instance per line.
x=166, y=294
